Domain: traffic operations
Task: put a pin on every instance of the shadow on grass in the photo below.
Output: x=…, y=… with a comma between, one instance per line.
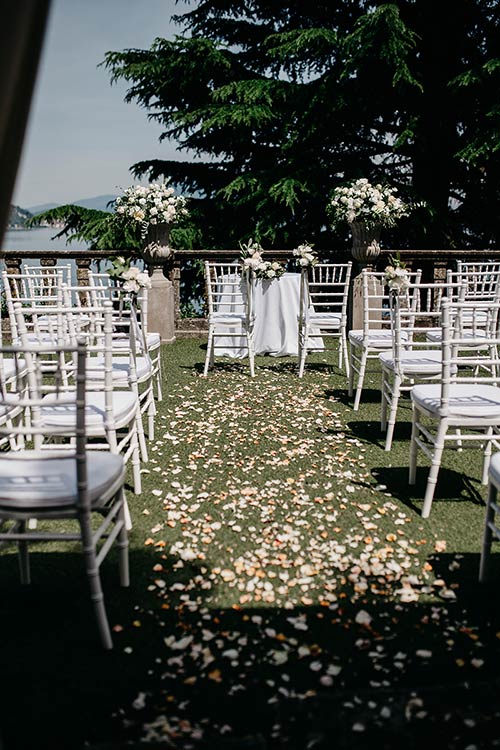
x=262, y=678
x=59, y=686
x=451, y=486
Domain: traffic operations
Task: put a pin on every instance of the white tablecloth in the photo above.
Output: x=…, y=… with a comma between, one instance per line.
x=276, y=307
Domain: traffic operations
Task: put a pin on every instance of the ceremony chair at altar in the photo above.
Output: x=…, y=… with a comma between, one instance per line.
x=411, y=358
x=464, y=406
x=375, y=336
x=67, y=483
x=230, y=311
x=324, y=293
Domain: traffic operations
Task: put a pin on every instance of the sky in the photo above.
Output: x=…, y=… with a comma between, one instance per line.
x=82, y=137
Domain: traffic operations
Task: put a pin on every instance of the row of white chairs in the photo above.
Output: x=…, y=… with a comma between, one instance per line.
x=443, y=350
x=75, y=384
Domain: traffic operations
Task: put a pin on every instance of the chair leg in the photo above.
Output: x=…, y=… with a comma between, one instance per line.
x=345, y=356
x=383, y=401
x=351, y=371
x=412, y=474
x=303, y=338
x=94, y=579
x=141, y=437
x=251, y=353
x=208, y=358
x=487, y=456
x=361, y=378
x=136, y=463
x=487, y=536
x=151, y=416
x=434, y=470
x=393, y=410
x=156, y=357
x=122, y=545
x=24, y=560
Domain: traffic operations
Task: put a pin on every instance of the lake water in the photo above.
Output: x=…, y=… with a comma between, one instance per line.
x=38, y=239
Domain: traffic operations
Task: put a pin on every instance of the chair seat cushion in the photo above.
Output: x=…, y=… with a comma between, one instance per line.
x=153, y=340
x=11, y=368
x=376, y=339
x=121, y=341
x=121, y=368
x=414, y=362
x=30, y=480
x=227, y=318
x=325, y=320
x=466, y=400
x=62, y=415
x=435, y=335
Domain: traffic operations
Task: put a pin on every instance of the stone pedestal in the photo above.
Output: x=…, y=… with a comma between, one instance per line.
x=161, y=306
x=161, y=297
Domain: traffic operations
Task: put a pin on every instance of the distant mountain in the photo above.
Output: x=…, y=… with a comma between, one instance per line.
x=18, y=217
x=99, y=203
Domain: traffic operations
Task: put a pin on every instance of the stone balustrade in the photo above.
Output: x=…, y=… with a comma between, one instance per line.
x=433, y=263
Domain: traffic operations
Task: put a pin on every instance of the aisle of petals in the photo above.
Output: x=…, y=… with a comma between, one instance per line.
x=283, y=575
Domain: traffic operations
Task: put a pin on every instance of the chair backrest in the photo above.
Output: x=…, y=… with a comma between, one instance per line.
x=228, y=288
x=376, y=299
x=41, y=295
x=42, y=274
x=411, y=323
x=470, y=340
x=32, y=399
x=325, y=287
x=479, y=280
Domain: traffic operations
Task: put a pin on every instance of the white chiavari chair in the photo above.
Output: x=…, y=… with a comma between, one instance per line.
x=113, y=407
x=70, y=483
x=375, y=336
x=412, y=358
x=106, y=288
x=324, y=293
x=463, y=408
x=230, y=310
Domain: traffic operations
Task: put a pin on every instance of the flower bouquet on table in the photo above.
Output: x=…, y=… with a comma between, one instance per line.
x=251, y=258
x=371, y=205
x=305, y=256
x=149, y=205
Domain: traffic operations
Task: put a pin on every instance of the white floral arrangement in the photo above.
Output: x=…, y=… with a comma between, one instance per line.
x=305, y=256
x=251, y=257
x=135, y=280
x=396, y=276
x=371, y=204
x=155, y=204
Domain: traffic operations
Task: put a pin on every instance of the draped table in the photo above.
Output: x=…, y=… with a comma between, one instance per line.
x=276, y=307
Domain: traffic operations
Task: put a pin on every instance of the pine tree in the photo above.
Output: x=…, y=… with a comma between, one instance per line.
x=279, y=102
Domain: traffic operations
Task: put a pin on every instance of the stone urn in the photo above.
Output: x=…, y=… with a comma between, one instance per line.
x=156, y=251
x=365, y=242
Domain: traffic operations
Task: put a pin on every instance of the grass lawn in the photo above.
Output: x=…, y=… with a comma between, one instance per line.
x=286, y=592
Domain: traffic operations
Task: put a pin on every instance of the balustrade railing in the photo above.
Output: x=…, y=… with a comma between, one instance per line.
x=433, y=263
